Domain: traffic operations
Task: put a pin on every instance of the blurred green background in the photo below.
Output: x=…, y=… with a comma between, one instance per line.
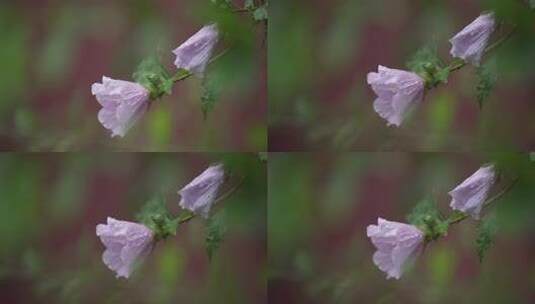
x=54, y=50
x=320, y=52
x=51, y=204
x=320, y=204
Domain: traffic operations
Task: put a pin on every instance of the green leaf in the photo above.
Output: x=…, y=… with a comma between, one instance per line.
x=532, y=4
x=215, y=232
x=426, y=63
x=487, y=78
x=427, y=218
x=155, y=215
x=260, y=13
x=486, y=233
x=151, y=74
x=209, y=95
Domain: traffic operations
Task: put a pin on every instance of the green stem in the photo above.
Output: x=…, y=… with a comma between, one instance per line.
x=459, y=216
x=456, y=65
x=181, y=75
x=187, y=218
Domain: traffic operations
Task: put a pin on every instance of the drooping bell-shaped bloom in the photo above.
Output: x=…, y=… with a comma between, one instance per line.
x=123, y=103
x=194, y=54
x=397, y=92
x=470, y=43
x=126, y=243
x=199, y=195
x=470, y=196
x=396, y=243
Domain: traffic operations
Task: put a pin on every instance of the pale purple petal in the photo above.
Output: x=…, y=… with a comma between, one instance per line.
x=199, y=195
x=123, y=103
x=470, y=196
x=396, y=243
x=397, y=92
x=194, y=54
x=470, y=43
x=126, y=243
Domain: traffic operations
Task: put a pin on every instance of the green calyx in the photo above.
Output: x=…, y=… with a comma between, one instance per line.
x=433, y=228
x=155, y=215
x=428, y=65
x=152, y=75
x=433, y=75
x=163, y=226
x=427, y=218
x=158, y=86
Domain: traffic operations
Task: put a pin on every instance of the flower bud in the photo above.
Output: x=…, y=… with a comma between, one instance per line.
x=470, y=196
x=194, y=54
x=470, y=43
x=199, y=195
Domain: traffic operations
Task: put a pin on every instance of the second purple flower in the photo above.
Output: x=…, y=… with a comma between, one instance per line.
x=200, y=194
x=195, y=53
x=469, y=197
x=470, y=43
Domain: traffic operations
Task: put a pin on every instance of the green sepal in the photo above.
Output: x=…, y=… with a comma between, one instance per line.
x=151, y=74
x=427, y=218
x=428, y=65
x=155, y=215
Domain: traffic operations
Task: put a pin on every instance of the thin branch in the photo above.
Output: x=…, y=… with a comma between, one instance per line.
x=230, y=191
x=178, y=77
x=503, y=39
x=216, y=57
x=186, y=218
